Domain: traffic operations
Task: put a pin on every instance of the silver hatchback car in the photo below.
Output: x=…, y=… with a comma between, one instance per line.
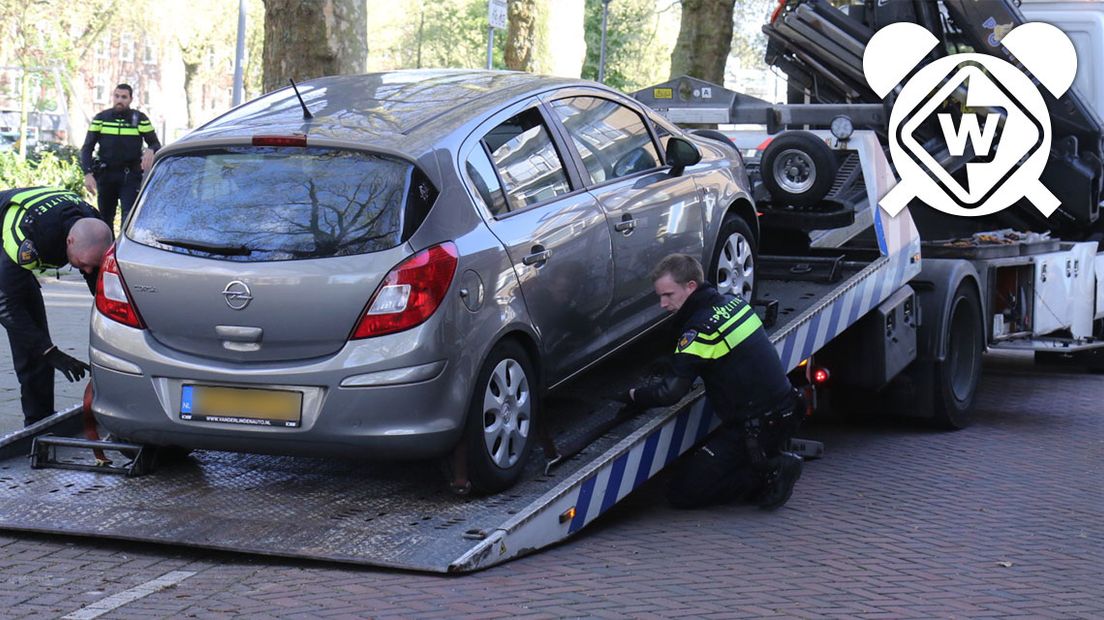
x=401, y=263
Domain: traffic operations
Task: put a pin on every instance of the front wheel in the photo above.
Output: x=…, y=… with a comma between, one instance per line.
x=733, y=266
x=501, y=419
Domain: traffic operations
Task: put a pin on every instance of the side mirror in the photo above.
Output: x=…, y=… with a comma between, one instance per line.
x=680, y=154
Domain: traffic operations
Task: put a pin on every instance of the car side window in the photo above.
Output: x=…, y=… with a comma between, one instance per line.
x=483, y=177
x=611, y=138
x=526, y=160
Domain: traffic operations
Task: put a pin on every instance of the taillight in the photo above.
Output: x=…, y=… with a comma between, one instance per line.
x=820, y=376
x=411, y=292
x=112, y=299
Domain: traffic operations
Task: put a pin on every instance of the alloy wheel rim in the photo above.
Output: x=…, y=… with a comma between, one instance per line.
x=736, y=267
x=507, y=413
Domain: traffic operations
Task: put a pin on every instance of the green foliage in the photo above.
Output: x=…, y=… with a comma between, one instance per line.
x=47, y=170
x=749, y=44
x=443, y=33
x=637, y=54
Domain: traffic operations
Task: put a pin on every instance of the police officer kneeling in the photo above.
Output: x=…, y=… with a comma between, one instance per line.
x=43, y=227
x=724, y=343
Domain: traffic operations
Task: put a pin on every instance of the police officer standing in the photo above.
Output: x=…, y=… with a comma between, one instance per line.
x=724, y=343
x=116, y=175
x=43, y=227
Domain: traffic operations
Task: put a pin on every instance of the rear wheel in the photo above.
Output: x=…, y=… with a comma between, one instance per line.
x=954, y=380
x=501, y=419
x=733, y=264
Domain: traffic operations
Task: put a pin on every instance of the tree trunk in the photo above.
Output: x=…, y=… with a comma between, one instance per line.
x=24, y=103
x=306, y=39
x=521, y=35
x=529, y=44
x=704, y=40
x=191, y=70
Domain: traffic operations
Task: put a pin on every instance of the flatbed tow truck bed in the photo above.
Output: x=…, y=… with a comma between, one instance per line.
x=398, y=515
x=402, y=515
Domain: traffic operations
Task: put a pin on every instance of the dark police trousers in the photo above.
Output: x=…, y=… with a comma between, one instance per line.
x=117, y=185
x=19, y=286
x=727, y=468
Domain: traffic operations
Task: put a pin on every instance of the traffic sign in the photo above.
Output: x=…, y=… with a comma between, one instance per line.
x=496, y=13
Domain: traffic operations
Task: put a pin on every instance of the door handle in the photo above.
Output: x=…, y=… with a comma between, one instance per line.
x=626, y=225
x=538, y=257
x=239, y=333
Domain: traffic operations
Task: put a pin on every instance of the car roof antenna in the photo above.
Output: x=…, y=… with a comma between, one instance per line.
x=306, y=113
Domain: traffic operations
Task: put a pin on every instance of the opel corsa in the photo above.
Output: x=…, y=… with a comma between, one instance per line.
x=401, y=262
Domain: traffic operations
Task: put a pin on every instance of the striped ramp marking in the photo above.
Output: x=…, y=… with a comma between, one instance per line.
x=816, y=330
x=629, y=471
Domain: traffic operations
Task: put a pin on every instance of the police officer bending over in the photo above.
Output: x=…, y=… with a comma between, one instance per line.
x=44, y=227
x=116, y=176
x=724, y=343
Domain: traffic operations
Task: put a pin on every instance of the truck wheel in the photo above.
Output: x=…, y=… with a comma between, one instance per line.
x=955, y=379
x=798, y=169
x=502, y=418
x=733, y=264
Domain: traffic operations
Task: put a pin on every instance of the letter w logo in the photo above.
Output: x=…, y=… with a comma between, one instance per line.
x=968, y=129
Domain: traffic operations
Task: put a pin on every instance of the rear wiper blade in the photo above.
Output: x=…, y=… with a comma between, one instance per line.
x=210, y=248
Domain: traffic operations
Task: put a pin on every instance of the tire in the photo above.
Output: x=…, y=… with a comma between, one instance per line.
x=501, y=425
x=732, y=267
x=798, y=169
x=954, y=380
x=713, y=134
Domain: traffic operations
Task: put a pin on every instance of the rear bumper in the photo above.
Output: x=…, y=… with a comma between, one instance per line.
x=419, y=414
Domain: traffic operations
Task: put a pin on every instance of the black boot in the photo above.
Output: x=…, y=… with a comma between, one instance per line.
x=785, y=470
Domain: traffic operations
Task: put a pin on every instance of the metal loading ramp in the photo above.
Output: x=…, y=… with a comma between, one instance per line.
x=397, y=515
x=400, y=515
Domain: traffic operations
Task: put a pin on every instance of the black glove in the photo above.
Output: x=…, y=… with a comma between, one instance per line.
x=71, y=367
x=629, y=407
x=622, y=397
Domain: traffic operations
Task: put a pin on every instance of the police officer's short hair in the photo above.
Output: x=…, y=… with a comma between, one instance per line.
x=126, y=87
x=682, y=268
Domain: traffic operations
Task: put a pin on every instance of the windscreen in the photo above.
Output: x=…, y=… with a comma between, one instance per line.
x=271, y=204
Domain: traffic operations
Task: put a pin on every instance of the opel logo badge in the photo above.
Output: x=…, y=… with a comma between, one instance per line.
x=237, y=295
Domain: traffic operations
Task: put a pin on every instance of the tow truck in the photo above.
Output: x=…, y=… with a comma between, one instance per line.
x=844, y=277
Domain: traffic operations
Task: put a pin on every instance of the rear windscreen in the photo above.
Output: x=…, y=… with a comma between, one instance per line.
x=268, y=204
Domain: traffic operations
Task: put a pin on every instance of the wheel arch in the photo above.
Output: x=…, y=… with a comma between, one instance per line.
x=743, y=208
x=935, y=287
x=528, y=342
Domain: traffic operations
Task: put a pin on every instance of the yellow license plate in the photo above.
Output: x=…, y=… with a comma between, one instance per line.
x=258, y=407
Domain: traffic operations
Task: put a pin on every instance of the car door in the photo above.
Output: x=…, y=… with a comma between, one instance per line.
x=649, y=213
x=555, y=234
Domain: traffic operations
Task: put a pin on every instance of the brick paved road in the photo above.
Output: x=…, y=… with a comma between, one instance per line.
x=1004, y=519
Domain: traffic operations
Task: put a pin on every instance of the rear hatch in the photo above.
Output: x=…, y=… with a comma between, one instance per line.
x=263, y=253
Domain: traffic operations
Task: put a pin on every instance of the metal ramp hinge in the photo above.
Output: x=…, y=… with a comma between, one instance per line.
x=44, y=454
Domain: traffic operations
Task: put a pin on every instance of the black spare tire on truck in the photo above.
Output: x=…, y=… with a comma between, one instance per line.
x=798, y=169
